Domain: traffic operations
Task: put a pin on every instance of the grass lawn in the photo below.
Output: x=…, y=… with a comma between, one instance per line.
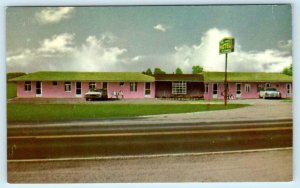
x=288, y=100
x=11, y=90
x=64, y=112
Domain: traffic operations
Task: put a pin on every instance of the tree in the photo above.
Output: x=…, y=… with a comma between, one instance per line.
x=288, y=70
x=196, y=69
x=158, y=71
x=178, y=71
x=11, y=75
x=147, y=72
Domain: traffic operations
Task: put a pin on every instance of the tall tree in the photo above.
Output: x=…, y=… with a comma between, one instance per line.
x=196, y=69
x=158, y=71
x=178, y=71
x=148, y=72
x=288, y=70
x=11, y=75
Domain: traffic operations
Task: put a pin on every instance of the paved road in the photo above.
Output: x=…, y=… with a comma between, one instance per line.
x=94, y=141
x=265, y=165
x=182, y=133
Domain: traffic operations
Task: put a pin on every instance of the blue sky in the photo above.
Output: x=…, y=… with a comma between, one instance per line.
x=133, y=38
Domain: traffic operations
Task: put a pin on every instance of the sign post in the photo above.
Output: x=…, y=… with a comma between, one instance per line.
x=226, y=46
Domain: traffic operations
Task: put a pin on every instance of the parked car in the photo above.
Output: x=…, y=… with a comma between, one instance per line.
x=270, y=93
x=95, y=94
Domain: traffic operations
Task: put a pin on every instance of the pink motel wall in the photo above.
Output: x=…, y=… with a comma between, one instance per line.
x=251, y=93
x=125, y=88
x=50, y=90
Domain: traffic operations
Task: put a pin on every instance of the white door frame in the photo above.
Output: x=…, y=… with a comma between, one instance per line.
x=78, y=95
x=215, y=96
x=145, y=89
x=39, y=95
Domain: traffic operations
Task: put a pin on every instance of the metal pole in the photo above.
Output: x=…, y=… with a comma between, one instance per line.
x=225, y=82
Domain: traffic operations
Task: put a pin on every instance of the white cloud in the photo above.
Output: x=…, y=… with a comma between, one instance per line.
x=104, y=54
x=93, y=55
x=58, y=44
x=207, y=55
x=137, y=58
x=60, y=53
x=54, y=15
x=286, y=45
x=160, y=27
x=20, y=56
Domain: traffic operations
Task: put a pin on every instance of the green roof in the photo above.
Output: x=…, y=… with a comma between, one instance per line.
x=247, y=76
x=86, y=76
x=139, y=77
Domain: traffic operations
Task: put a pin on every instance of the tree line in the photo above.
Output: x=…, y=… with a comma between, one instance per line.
x=196, y=69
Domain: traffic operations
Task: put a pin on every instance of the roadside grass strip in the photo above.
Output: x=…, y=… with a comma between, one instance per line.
x=288, y=100
x=68, y=112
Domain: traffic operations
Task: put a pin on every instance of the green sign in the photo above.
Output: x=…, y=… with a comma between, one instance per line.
x=226, y=45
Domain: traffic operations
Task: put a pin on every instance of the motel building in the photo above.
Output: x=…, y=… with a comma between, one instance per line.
x=134, y=85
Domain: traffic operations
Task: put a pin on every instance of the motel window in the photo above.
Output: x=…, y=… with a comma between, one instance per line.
x=247, y=88
x=121, y=83
x=67, y=86
x=54, y=83
x=206, y=88
x=92, y=85
x=179, y=87
x=133, y=86
x=27, y=86
x=268, y=85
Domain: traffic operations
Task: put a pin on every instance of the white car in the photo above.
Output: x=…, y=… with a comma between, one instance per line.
x=270, y=93
x=93, y=94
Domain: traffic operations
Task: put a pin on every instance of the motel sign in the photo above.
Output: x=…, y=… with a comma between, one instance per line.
x=226, y=45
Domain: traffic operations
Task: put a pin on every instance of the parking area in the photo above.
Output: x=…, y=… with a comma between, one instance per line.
x=260, y=109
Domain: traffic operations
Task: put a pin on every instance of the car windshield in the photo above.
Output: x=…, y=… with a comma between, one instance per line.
x=271, y=89
x=95, y=90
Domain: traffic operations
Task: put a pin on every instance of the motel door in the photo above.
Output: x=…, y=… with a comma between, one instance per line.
x=38, y=88
x=215, y=91
x=238, y=91
x=78, y=89
x=147, y=89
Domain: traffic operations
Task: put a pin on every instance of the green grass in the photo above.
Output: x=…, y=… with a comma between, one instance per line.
x=11, y=90
x=66, y=112
x=288, y=100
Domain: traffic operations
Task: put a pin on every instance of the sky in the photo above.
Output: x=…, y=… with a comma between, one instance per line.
x=134, y=38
